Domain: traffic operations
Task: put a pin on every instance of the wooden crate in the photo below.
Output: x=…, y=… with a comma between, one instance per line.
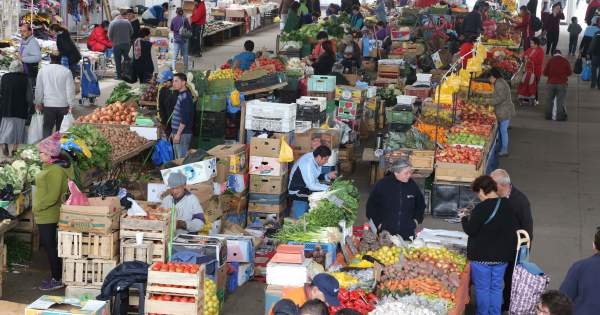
x=87, y=272
x=455, y=172
x=422, y=159
x=173, y=308
x=152, y=229
x=78, y=245
x=160, y=282
x=158, y=252
x=131, y=251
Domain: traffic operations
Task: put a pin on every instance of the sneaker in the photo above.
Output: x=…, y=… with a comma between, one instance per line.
x=51, y=285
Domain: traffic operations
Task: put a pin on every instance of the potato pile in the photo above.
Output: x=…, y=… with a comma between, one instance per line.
x=122, y=140
x=116, y=113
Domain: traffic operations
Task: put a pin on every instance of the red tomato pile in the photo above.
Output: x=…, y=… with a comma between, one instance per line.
x=175, y=267
x=172, y=298
x=355, y=299
x=459, y=154
x=261, y=62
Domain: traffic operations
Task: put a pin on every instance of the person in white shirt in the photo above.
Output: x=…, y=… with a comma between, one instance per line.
x=54, y=93
x=188, y=211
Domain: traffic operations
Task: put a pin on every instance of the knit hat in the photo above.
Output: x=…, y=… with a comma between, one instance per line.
x=115, y=13
x=176, y=179
x=50, y=145
x=165, y=75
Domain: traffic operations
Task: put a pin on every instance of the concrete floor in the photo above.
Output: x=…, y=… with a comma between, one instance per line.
x=553, y=163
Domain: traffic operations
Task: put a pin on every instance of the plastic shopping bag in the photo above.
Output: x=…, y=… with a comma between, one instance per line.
x=286, y=153
x=163, y=152
x=586, y=74
x=67, y=122
x=36, y=128
x=77, y=198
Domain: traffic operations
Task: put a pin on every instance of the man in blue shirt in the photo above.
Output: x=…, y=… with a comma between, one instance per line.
x=183, y=117
x=306, y=175
x=245, y=59
x=155, y=14
x=582, y=282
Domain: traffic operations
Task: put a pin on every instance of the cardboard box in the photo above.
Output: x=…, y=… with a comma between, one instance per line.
x=150, y=133
x=212, y=209
x=268, y=184
x=159, y=31
x=233, y=203
x=293, y=275
x=265, y=147
x=245, y=273
x=221, y=277
x=101, y=216
x=267, y=166
x=277, y=208
x=237, y=183
x=231, y=159
x=328, y=137
x=156, y=191
x=196, y=172
x=239, y=248
x=202, y=191
x=58, y=305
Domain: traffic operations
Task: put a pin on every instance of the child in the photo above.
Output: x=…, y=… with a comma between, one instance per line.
x=574, y=29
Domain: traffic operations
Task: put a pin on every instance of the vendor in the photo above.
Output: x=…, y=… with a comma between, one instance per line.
x=357, y=21
x=306, y=174
x=98, y=40
x=245, y=59
x=167, y=98
x=333, y=9
x=188, y=211
x=155, y=14
x=396, y=204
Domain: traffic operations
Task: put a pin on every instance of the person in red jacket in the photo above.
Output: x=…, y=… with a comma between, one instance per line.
x=558, y=70
x=590, y=12
x=525, y=26
x=98, y=40
x=198, y=25
x=535, y=56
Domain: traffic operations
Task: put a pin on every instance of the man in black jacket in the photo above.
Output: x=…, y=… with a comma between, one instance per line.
x=522, y=217
x=473, y=22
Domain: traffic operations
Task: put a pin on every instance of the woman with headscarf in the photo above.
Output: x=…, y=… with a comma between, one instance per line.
x=51, y=187
x=66, y=47
x=15, y=103
x=142, y=56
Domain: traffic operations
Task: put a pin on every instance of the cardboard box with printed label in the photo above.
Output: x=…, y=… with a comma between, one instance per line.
x=268, y=184
x=59, y=305
x=195, y=173
x=212, y=210
x=231, y=159
x=100, y=216
x=267, y=166
x=239, y=248
x=265, y=147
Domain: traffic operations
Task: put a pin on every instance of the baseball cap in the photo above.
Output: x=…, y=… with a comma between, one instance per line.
x=165, y=75
x=176, y=179
x=285, y=307
x=329, y=286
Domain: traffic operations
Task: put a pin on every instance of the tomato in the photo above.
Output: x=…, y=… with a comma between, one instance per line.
x=194, y=268
x=164, y=268
x=177, y=299
x=179, y=269
x=172, y=269
x=166, y=297
x=155, y=268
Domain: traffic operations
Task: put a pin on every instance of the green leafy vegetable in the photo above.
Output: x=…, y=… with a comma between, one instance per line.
x=121, y=93
x=96, y=142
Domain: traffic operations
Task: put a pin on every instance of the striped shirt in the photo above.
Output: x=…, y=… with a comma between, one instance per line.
x=183, y=113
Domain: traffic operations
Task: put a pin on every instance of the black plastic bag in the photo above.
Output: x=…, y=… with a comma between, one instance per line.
x=578, y=67
x=127, y=71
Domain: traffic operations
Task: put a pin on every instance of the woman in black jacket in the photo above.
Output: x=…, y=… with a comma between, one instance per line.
x=16, y=100
x=325, y=62
x=491, y=245
x=66, y=47
x=142, y=56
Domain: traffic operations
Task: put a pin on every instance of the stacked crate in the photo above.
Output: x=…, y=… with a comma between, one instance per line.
x=176, y=293
x=310, y=112
x=388, y=72
x=155, y=236
x=210, y=113
x=323, y=86
x=268, y=181
x=88, y=241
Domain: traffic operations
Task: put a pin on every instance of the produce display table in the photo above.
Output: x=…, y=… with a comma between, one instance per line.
x=462, y=293
x=227, y=33
x=268, y=89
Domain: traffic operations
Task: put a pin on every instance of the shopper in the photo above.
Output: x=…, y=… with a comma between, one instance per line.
x=325, y=62
x=558, y=70
x=314, y=307
x=119, y=33
x=179, y=26
x=292, y=19
x=554, y=302
x=305, y=14
x=588, y=35
x=284, y=8
x=590, y=12
x=198, y=27
x=142, y=56
x=348, y=45
x=183, y=117
x=525, y=26
x=535, y=57
x=245, y=59
x=66, y=47
x=523, y=220
x=583, y=282
x=491, y=245
x=503, y=107
x=54, y=94
x=357, y=21
x=465, y=51
x=396, y=203
x=532, y=8
x=551, y=27
x=574, y=30
x=315, y=9
x=135, y=24
x=333, y=9
x=594, y=54
x=29, y=52
x=381, y=31
x=167, y=98
x=98, y=39
x=316, y=52
x=51, y=187
x=15, y=104
x=347, y=5
x=155, y=14
x=189, y=215
x=472, y=25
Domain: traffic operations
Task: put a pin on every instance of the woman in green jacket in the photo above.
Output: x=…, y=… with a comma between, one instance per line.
x=51, y=187
x=292, y=22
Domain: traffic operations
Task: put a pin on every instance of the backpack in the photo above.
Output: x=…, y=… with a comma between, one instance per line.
x=536, y=23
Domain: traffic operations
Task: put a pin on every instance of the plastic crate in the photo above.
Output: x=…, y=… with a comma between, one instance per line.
x=402, y=117
x=329, y=248
x=213, y=102
x=207, y=143
x=321, y=83
x=420, y=92
x=221, y=86
x=310, y=113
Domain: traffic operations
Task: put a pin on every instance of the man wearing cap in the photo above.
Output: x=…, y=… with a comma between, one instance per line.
x=396, y=204
x=323, y=287
x=188, y=211
x=167, y=97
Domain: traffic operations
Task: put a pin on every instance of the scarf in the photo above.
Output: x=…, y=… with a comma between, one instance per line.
x=137, y=49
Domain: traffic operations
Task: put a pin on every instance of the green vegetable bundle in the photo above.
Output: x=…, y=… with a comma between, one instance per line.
x=97, y=144
x=310, y=233
x=121, y=93
x=342, y=205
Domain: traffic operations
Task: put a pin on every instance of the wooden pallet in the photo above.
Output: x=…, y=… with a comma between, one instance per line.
x=131, y=251
x=87, y=272
x=77, y=245
x=160, y=282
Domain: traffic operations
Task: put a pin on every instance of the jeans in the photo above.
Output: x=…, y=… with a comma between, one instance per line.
x=47, y=234
x=558, y=91
x=596, y=71
x=503, y=131
x=573, y=43
x=197, y=39
x=53, y=117
x=488, y=281
x=180, y=150
x=120, y=51
x=551, y=43
x=180, y=49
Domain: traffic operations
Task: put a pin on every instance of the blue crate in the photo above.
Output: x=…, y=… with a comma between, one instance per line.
x=329, y=248
x=267, y=199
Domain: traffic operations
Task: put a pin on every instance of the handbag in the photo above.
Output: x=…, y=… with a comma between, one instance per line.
x=586, y=74
x=185, y=31
x=528, y=283
x=127, y=71
x=578, y=67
